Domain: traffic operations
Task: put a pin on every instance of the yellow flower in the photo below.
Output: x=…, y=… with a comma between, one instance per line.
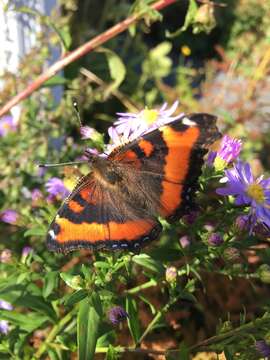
x=185, y=50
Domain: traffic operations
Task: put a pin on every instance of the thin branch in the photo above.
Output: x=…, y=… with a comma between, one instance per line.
x=118, y=94
x=79, y=52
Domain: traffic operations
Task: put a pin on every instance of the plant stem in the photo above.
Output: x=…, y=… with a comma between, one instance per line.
x=138, y=288
x=55, y=330
x=79, y=52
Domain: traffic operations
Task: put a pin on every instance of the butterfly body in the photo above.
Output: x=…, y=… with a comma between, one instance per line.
x=117, y=205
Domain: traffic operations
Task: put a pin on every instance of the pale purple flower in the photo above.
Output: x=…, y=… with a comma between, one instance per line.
x=87, y=132
x=36, y=196
x=215, y=239
x=262, y=348
x=171, y=274
x=5, y=305
x=184, y=241
x=229, y=150
x=9, y=216
x=5, y=256
x=4, y=327
x=56, y=189
x=7, y=124
x=132, y=125
x=26, y=251
x=248, y=191
x=117, y=314
x=242, y=222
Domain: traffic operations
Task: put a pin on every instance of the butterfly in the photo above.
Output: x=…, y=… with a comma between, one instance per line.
x=118, y=203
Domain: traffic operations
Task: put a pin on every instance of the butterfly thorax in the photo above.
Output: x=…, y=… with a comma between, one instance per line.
x=106, y=172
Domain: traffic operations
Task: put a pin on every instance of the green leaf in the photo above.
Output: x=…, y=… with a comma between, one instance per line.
x=89, y=318
x=36, y=303
x=117, y=70
x=183, y=352
x=189, y=19
x=75, y=297
x=50, y=283
x=73, y=281
x=133, y=319
x=28, y=322
x=149, y=263
x=35, y=231
x=158, y=64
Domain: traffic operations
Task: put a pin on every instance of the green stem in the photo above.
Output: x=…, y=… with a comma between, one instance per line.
x=157, y=318
x=246, y=328
x=55, y=330
x=146, y=285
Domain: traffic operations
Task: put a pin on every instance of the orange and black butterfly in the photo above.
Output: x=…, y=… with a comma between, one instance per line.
x=117, y=204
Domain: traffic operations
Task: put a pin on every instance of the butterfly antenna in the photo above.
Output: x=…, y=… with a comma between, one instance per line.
x=77, y=112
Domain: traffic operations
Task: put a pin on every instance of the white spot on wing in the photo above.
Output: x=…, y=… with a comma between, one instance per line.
x=187, y=121
x=52, y=234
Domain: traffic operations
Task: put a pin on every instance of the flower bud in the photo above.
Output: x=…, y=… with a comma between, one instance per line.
x=232, y=254
x=215, y=239
x=184, y=241
x=171, y=274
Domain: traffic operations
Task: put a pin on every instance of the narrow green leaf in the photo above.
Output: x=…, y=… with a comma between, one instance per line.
x=149, y=263
x=75, y=297
x=35, y=231
x=50, y=283
x=28, y=322
x=89, y=318
x=133, y=319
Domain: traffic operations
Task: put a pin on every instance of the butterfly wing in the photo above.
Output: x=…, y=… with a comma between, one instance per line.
x=171, y=158
x=95, y=216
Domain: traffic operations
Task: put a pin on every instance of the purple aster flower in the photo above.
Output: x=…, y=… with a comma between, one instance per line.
x=56, y=189
x=5, y=256
x=248, y=191
x=215, y=239
x=262, y=348
x=4, y=327
x=7, y=124
x=117, y=314
x=229, y=150
x=132, y=125
x=9, y=216
x=5, y=305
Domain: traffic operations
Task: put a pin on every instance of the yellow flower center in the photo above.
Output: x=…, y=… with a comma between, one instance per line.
x=6, y=126
x=219, y=163
x=150, y=115
x=256, y=192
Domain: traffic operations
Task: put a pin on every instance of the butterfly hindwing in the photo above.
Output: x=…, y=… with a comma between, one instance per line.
x=97, y=217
